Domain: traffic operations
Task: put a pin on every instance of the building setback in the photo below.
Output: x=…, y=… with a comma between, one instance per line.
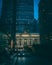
x=45, y=20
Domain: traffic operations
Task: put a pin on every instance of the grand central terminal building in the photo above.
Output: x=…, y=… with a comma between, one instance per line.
x=27, y=39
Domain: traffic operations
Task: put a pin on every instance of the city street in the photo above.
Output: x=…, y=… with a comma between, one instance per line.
x=33, y=60
x=27, y=60
x=28, y=57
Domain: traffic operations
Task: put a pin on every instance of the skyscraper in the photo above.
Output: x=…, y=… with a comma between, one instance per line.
x=7, y=14
x=25, y=16
x=45, y=20
x=8, y=18
x=25, y=9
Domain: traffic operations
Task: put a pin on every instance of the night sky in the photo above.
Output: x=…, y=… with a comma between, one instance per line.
x=36, y=2
x=35, y=8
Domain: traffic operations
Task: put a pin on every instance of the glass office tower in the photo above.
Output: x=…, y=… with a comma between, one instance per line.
x=24, y=15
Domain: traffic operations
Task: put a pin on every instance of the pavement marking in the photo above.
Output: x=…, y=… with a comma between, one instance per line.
x=15, y=59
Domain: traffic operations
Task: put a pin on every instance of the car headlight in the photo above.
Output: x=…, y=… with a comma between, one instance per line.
x=23, y=54
x=18, y=53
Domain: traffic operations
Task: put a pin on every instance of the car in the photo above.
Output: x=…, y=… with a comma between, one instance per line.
x=21, y=53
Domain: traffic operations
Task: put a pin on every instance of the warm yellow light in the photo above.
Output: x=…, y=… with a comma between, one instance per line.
x=35, y=35
x=11, y=43
x=25, y=35
x=17, y=35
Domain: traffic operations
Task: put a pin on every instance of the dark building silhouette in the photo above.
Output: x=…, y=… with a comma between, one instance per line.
x=45, y=20
x=7, y=15
x=8, y=18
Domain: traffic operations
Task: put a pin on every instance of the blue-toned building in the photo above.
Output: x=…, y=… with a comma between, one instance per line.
x=25, y=16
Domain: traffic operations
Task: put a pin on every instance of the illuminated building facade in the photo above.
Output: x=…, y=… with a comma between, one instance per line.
x=27, y=39
x=45, y=20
